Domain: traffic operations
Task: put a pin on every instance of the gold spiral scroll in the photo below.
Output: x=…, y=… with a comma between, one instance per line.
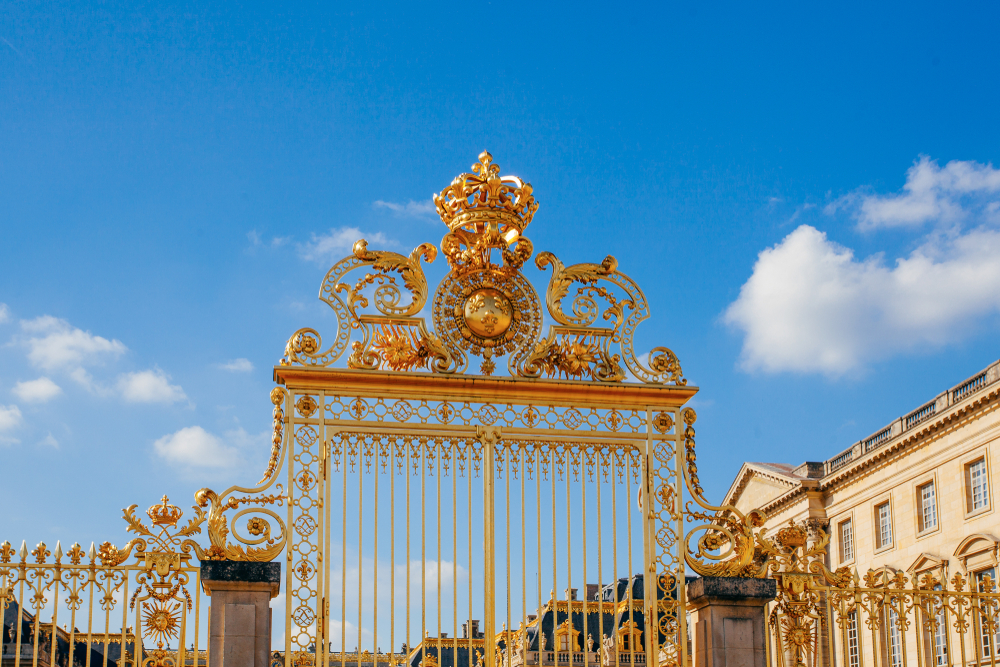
x=726, y=529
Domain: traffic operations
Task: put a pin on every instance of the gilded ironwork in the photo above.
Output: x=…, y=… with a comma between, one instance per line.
x=484, y=307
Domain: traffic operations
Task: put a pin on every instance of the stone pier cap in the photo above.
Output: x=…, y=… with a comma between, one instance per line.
x=732, y=588
x=223, y=574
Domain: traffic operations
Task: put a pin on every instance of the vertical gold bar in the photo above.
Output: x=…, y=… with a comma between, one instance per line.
x=125, y=617
x=555, y=570
x=91, y=579
x=361, y=524
x=651, y=587
x=378, y=455
x=343, y=551
x=614, y=548
x=56, y=583
x=34, y=653
x=505, y=451
x=437, y=553
x=568, y=459
x=423, y=548
x=600, y=555
x=107, y=618
x=650, y=620
x=392, y=551
x=408, y=441
x=585, y=634
x=536, y=452
x=522, y=453
x=469, y=452
x=72, y=622
x=489, y=609
x=453, y=456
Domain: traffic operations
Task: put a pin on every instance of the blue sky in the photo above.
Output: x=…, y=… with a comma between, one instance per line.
x=175, y=180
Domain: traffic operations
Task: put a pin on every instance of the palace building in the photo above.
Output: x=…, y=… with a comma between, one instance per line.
x=916, y=497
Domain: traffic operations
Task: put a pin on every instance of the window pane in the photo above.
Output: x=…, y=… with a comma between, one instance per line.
x=853, y=658
x=928, y=507
x=884, y=525
x=846, y=541
x=977, y=480
x=895, y=643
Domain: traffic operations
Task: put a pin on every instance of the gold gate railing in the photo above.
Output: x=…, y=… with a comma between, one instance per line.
x=406, y=492
x=883, y=619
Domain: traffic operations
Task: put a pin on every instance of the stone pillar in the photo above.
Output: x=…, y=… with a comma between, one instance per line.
x=728, y=620
x=240, y=613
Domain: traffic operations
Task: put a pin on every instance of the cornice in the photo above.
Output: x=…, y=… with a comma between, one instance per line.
x=957, y=416
x=484, y=389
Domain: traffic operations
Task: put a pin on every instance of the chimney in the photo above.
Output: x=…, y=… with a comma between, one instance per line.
x=593, y=592
x=470, y=629
x=571, y=593
x=532, y=617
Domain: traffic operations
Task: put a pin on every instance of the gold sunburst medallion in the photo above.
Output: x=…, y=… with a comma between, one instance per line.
x=161, y=621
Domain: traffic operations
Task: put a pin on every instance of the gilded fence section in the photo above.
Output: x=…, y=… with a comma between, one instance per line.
x=414, y=489
x=884, y=618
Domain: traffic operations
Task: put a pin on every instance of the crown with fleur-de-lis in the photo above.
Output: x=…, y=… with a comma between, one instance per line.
x=164, y=514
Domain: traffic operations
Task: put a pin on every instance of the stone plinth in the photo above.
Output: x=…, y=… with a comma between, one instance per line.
x=727, y=620
x=240, y=613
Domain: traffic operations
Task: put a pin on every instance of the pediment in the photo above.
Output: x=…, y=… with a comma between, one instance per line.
x=756, y=484
x=978, y=548
x=926, y=562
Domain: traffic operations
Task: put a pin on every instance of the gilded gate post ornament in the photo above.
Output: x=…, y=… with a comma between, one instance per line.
x=484, y=307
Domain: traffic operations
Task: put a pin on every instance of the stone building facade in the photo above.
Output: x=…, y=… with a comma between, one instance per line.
x=918, y=496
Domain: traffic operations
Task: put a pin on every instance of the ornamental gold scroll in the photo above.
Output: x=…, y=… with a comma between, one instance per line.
x=484, y=307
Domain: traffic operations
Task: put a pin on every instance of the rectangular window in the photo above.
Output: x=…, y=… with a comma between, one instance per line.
x=895, y=641
x=977, y=488
x=846, y=541
x=928, y=507
x=883, y=522
x=853, y=653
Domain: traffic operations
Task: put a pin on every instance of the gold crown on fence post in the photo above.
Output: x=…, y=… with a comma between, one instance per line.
x=164, y=514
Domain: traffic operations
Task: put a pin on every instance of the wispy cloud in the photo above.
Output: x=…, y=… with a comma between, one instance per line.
x=149, y=386
x=411, y=209
x=194, y=447
x=258, y=241
x=49, y=441
x=338, y=242
x=236, y=366
x=10, y=418
x=931, y=194
x=4, y=313
x=53, y=344
x=36, y=391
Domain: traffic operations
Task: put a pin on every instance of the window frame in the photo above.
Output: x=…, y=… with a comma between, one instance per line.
x=877, y=532
x=918, y=502
x=846, y=518
x=966, y=463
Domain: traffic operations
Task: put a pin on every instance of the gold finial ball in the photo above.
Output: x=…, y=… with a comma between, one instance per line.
x=488, y=313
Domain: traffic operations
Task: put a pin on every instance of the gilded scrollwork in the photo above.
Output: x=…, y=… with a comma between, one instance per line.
x=484, y=307
x=727, y=545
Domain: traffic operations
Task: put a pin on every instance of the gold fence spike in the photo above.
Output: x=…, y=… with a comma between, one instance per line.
x=24, y=551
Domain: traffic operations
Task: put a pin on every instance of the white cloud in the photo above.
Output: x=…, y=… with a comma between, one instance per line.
x=811, y=306
x=36, y=391
x=4, y=313
x=338, y=243
x=10, y=417
x=53, y=344
x=49, y=441
x=237, y=366
x=152, y=386
x=411, y=209
x=195, y=447
x=931, y=193
x=257, y=241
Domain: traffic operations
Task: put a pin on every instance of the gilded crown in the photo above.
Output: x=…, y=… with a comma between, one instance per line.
x=484, y=196
x=791, y=537
x=164, y=514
